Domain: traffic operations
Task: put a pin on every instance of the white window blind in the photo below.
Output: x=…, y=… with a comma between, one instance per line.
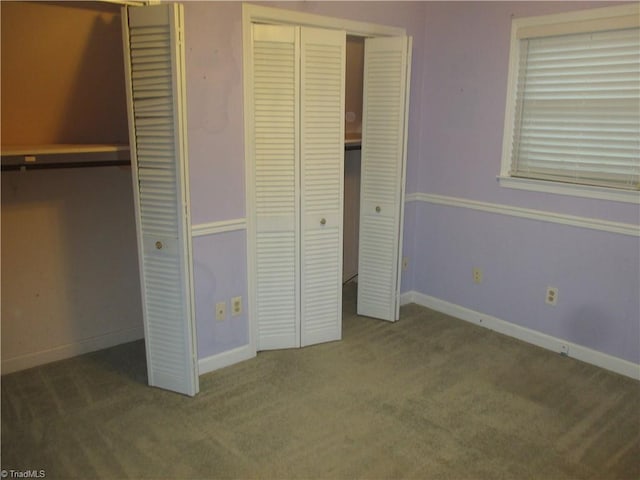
x=572, y=118
x=577, y=109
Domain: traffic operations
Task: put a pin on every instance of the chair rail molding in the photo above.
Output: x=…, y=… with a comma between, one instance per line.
x=213, y=228
x=532, y=214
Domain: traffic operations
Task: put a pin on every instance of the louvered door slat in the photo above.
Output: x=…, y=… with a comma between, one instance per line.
x=382, y=184
x=159, y=159
x=322, y=59
x=275, y=169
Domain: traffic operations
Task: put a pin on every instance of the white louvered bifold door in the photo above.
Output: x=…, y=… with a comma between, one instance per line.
x=385, y=89
x=154, y=63
x=322, y=59
x=276, y=185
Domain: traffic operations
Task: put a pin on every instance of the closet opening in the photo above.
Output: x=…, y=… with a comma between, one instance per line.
x=352, y=167
x=70, y=277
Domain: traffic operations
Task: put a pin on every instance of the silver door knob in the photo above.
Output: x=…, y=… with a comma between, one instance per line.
x=378, y=209
x=323, y=221
x=159, y=245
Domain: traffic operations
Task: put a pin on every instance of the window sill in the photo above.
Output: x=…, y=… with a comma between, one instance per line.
x=587, y=191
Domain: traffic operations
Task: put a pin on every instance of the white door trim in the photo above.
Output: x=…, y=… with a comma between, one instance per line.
x=260, y=14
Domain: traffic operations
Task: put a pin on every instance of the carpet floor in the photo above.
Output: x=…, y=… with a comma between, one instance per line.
x=428, y=397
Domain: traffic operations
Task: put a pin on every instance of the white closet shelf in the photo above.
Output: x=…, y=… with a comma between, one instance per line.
x=22, y=157
x=352, y=143
x=62, y=149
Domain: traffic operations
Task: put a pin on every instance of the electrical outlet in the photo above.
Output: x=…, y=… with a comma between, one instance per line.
x=221, y=311
x=405, y=263
x=564, y=350
x=552, y=296
x=477, y=275
x=236, y=306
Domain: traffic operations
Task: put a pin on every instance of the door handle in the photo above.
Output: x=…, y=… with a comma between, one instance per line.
x=323, y=221
x=159, y=245
x=378, y=209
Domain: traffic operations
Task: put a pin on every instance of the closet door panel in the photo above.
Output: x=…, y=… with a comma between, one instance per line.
x=322, y=162
x=276, y=185
x=382, y=186
x=154, y=64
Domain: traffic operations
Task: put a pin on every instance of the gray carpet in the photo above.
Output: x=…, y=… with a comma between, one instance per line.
x=427, y=397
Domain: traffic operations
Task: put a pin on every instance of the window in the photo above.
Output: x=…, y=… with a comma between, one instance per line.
x=572, y=123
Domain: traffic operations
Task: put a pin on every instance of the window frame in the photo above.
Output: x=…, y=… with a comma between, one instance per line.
x=558, y=24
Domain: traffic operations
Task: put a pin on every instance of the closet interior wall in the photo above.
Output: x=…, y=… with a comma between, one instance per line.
x=352, y=165
x=70, y=281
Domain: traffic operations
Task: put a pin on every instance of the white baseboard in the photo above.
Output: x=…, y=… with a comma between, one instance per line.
x=80, y=347
x=579, y=352
x=225, y=359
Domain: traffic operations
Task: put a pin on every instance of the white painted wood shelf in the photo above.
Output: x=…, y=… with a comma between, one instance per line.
x=26, y=157
x=352, y=143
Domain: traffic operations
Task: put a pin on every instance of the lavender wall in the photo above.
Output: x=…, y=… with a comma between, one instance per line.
x=466, y=54
x=219, y=268
x=459, y=76
x=213, y=43
x=466, y=50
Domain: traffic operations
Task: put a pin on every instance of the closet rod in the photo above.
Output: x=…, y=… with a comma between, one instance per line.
x=51, y=166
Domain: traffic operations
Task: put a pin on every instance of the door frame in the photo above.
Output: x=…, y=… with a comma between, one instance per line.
x=276, y=16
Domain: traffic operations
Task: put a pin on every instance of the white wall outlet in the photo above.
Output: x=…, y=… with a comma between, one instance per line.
x=221, y=311
x=477, y=275
x=564, y=349
x=405, y=263
x=236, y=306
x=552, y=296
